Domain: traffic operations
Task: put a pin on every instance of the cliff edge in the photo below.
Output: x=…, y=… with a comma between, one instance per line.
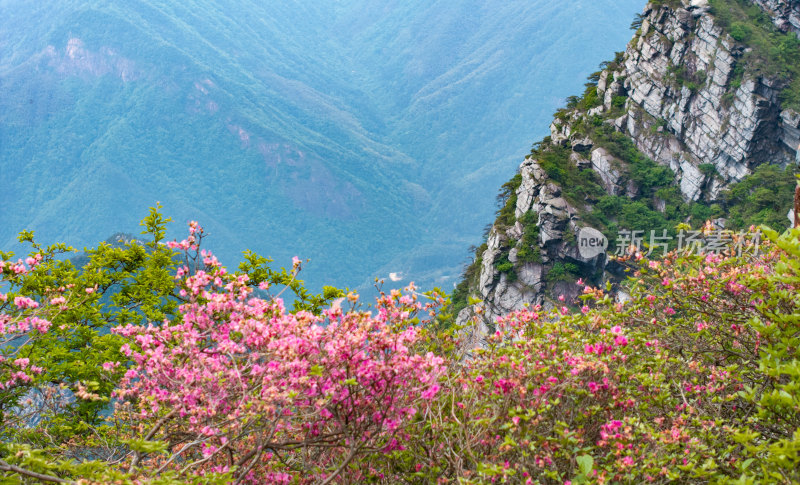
x=704, y=95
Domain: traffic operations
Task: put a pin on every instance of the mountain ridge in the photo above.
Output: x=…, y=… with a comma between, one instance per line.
x=690, y=123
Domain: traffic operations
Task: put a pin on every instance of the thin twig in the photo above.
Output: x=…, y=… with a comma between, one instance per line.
x=346, y=462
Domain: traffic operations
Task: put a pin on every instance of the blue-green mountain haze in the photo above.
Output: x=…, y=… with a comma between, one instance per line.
x=368, y=136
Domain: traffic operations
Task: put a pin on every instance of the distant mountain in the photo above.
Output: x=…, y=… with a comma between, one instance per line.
x=360, y=134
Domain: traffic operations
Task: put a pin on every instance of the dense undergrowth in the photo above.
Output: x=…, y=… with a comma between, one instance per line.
x=206, y=378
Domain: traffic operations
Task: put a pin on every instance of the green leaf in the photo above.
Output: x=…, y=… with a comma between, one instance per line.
x=144, y=446
x=585, y=464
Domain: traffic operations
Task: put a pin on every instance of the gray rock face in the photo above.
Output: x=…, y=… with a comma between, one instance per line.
x=684, y=107
x=603, y=163
x=790, y=130
x=583, y=144
x=560, y=132
x=785, y=13
x=501, y=293
x=679, y=73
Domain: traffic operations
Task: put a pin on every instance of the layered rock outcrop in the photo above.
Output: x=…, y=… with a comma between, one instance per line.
x=684, y=96
x=785, y=13
x=680, y=72
x=557, y=220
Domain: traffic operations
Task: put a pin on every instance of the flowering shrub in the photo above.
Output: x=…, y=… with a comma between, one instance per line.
x=153, y=364
x=22, y=321
x=236, y=383
x=693, y=380
x=54, y=321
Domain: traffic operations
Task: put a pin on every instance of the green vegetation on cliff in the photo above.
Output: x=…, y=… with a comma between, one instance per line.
x=763, y=197
x=647, y=197
x=770, y=52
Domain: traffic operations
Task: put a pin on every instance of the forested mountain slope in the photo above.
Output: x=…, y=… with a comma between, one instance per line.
x=345, y=132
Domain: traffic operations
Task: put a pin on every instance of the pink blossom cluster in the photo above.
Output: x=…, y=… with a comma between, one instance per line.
x=236, y=371
x=16, y=372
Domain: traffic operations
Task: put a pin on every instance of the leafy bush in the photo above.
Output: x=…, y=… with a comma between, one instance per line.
x=618, y=101
x=708, y=169
x=503, y=265
x=562, y=272
x=579, y=184
x=528, y=249
x=740, y=32
x=763, y=197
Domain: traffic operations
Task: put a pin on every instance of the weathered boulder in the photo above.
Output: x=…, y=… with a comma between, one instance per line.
x=604, y=164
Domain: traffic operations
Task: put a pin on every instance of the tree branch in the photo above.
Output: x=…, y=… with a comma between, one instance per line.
x=6, y=467
x=347, y=461
x=138, y=456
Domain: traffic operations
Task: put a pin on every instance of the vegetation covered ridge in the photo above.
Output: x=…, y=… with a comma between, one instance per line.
x=608, y=182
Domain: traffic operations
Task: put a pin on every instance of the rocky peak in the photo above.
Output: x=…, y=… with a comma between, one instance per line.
x=518, y=266
x=682, y=74
x=684, y=96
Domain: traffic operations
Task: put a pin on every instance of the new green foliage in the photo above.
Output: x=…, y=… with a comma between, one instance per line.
x=763, y=197
x=563, y=272
x=469, y=280
x=504, y=266
x=507, y=201
x=577, y=184
x=528, y=250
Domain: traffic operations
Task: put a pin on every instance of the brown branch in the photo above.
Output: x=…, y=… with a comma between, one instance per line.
x=256, y=457
x=6, y=467
x=797, y=207
x=353, y=452
x=138, y=456
x=176, y=455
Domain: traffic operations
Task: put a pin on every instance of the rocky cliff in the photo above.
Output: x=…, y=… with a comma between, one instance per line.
x=785, y=14
x=685, y=112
